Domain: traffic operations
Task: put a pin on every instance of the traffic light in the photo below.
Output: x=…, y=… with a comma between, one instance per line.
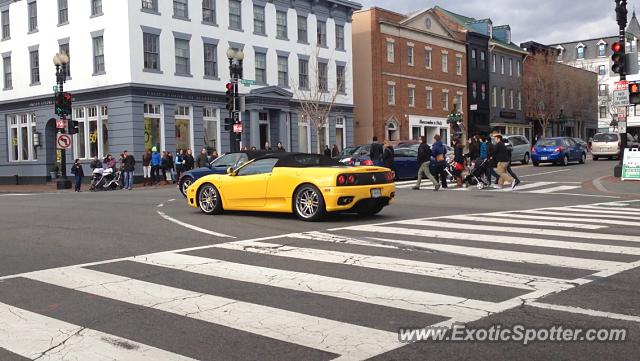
x=228, y=124
x=618, y=58
x=59, y=103
x=72, y=126
x=230, y=98
x=634, y=93
x=66, y=106
x=621, y=13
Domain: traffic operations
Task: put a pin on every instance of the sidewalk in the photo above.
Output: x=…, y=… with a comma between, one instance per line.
x=613, y=185
x=51, y=188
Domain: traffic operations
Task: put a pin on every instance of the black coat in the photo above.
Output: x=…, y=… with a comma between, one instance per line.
x=76, y=169
x=376, y=151
x=129, y=163
x=501, y=153
x=387, y=157
x=458, y=154
x=424, y=153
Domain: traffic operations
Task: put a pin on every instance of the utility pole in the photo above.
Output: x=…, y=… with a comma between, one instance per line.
x=621, y=19
x=233, y=105
x=62, y=108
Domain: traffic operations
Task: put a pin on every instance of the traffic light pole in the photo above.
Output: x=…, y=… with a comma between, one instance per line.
x=621, y=17
x=63, y=182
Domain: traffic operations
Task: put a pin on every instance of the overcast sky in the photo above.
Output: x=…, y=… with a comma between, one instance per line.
x=544, y=21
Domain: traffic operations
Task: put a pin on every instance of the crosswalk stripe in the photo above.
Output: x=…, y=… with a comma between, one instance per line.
x=598, y=211
x=553, y=189
x=568, y=214
x=419, y=301
x=609, y=209
x=353, y=341
x=577, y=221
x=31, y=335
x=504, y=279
x=528, y=186
x=506, y=218
x=523, y=230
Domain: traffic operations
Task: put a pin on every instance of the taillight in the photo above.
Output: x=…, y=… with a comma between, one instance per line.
x=618, y=145
x=351, y=180
x=341, y=180
x=559, y=149
x=367, y=162
x=389, y=176
x=533, y=149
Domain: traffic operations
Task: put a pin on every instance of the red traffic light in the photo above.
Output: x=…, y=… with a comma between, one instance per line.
x=634, y=88
x=229, y=86
x=616, y=47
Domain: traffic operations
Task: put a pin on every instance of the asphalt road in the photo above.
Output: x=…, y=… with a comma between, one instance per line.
x=127, y=275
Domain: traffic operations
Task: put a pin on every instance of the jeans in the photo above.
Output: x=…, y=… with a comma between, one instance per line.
x=128, y=179
x=155, y=173
x=78, y=180
x=490, y=172
x=502, y=170
x=173, y=175
x=424, y=170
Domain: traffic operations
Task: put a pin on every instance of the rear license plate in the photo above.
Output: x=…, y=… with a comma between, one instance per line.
x=376, y=193
x=544, y=158
x=357, y=163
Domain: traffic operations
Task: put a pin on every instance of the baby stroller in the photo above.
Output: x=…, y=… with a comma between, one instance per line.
x=455, y=172
x=476, y=176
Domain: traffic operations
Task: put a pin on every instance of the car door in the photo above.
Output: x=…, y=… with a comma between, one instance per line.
x=248, y=186
x=572, y=149
x=402, y=163
x=516, y=153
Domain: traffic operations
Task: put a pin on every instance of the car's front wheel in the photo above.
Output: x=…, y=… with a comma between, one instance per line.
x=185, y=182
x=209, y=200
x=526, y=159
x=308, y=203
x=535, y=164
x=565, y=161
x=583, y=158
x=595, y=157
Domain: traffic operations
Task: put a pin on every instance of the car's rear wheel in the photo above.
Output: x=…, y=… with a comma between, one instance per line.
x=565, y=161
x=583, y=158
x=185, y=182
x=371, y=211
x=308, y=203
x=209, y=200
x=535, y=164
x=595, y=157
x=526, y=159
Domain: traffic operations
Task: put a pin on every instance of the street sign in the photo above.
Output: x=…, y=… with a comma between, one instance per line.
x=61, y=124
x=621, y=98
x=63, y=141
x=237, y=128
x=473, y=107
x=622, y=113
x=55, y=88
x=247, y=82
x=631, y=164
x=621, y=85
x=622, y=126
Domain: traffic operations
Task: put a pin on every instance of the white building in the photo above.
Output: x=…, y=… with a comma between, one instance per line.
x=149, y=73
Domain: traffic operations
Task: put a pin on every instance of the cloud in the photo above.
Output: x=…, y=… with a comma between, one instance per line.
x=544, y=21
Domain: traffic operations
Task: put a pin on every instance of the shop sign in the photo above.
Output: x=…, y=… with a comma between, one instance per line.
x=505, y=114
x=631, y=164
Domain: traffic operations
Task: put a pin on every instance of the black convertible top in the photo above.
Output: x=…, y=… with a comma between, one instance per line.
x=301, y=160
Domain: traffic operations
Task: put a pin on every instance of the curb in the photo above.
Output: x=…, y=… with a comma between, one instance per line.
x=597, y=184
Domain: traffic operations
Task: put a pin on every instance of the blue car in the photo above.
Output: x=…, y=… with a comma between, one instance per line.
x=558, y=150
x=217, y=166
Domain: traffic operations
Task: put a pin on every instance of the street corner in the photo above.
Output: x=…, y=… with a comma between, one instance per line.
x=615, y=186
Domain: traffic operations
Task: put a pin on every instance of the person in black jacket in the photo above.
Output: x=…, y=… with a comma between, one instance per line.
x=424, y=160
x=327, y=151
x=78, y=172
x=375, y=153
x=501, y=156
x=128, y=166
x=513, y=175
x=388, y=155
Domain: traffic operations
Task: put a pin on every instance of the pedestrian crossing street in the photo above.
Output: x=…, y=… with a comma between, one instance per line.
x=339, y=294
x=524, y=187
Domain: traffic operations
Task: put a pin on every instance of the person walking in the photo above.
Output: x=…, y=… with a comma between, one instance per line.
x=388, y=156
x=439, y=157
x=128, y=166
x=280, y=147
x=146, y=168
x=335, y=151
x=78, y=172
x=375, y=153
x=202, y=160
x=156, y=160
x=501, y=156
x=327, y=151
x=459, y=159
x=513, y=175
x=188, y=162
x=424, y=160
x=486, y=151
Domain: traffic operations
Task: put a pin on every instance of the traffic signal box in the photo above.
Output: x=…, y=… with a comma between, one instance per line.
x=618, y=58
x=634, y=93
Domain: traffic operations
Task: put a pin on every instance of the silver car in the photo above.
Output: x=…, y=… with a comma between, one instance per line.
x=520, y=148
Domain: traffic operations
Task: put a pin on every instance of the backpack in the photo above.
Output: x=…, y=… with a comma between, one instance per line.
x=483, y=150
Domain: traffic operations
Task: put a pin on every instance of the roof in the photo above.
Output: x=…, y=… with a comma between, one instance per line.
x=461, y=19
x=301, y=160
x=634, y=26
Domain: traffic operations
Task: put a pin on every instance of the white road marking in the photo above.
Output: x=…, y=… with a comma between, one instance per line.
x=192, y=227
x=528, y=186
x=621, y=210
x=553, y=189
x=519, y=230
x=583, y=195
x=352, y=341
x=543, y=173
x=620, y=214
x=16, y=194
x=506, y=218
x=31, y=335
x=578, y=221
x=467, y=274
x=584, y=311
x=419, y=301
x=569, y=215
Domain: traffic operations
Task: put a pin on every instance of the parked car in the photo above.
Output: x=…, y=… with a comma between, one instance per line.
x=520, y=148
x=359, y=156
x=405, y=162
x=583, y=144
x=608, y=145
x=217, y=166
x=559, y=150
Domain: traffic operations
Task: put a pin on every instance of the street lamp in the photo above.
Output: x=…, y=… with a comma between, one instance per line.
x=235, y=71
x=61, y=60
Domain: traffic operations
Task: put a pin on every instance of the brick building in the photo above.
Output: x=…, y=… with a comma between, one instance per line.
x=410, y=74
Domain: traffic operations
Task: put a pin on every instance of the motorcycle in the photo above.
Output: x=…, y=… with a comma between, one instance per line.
x=105, y=179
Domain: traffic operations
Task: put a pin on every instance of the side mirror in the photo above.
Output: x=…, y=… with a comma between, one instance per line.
x=230, y=171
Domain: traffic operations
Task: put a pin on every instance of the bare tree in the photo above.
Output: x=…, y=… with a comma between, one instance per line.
x=540, y=83
x=317, y=99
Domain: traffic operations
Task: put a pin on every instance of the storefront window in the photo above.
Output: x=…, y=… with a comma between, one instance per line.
x=210, y=122
x=152, y=126
x=21, y=129
x=91, y=141
x=183, y=127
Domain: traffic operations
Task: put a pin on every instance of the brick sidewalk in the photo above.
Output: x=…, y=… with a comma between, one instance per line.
x=51, y=187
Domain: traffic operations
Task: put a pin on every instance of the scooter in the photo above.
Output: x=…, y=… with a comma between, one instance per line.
x=106, y=179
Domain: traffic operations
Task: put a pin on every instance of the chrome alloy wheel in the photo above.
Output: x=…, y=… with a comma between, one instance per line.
x=208, y=199
x=307, y=202
x=186, y=183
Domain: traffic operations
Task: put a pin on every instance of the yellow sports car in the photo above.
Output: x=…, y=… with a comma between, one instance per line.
x=308, y=185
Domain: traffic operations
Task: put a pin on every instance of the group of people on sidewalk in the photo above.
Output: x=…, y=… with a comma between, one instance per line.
x=163, y=167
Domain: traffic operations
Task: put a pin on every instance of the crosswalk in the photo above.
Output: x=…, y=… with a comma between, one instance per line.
x=541, y=187
x=338, y=294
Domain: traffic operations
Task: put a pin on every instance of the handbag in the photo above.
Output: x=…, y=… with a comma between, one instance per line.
x=458, y=166
x=439, y=157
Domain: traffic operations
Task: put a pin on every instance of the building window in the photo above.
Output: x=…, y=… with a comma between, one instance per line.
x=603, y=112
x=92, y=139
x=483, y=60
x=518, y=68
x=429, y=98
x=340, y=78
x=209, y=11
x=602, y=90
x=63, y=12
x=580, y=52
x=474, y=90
x=391, y=94
x=411, y=96
x=261, y=68
x=98, y=55
x=427, y=58
x=96, y=7
x=502, y=65
x=304, y=135
x=511, y=100
x=33, y=16
x=493, y=63
x=483, y=91
x=258, y=20
x=210, y=122
x=503, y=98
x=281, y=25
x=458, y=65
x=183, y=63
x=21, y=129
x=474, y=59
x=303, y=74
x=445, y=63
x=210, y=60
x=341, y=140
x=457, y=102
x=151, y=5
x=151, y=45
x=181, y=9
x=494, y=97
x=64, y=48
x=445, y=100
x=510, y=66
x=6, y=26
x=235, y=15
x=390, y=52
x=183, y=127
x=410, y=55
x=340, y=37
x=602, y=50
x=34, y=61
x=302, y=29
x=323, y=77
x=519, y=100
x=153, y=127
x=6, y=70
x=602, y=70
x=322, y=33
x=283, y=71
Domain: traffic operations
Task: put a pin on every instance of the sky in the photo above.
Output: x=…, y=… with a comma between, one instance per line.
x=544, y=21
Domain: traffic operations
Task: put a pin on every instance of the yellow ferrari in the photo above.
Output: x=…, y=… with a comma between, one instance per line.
x=308, y=185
